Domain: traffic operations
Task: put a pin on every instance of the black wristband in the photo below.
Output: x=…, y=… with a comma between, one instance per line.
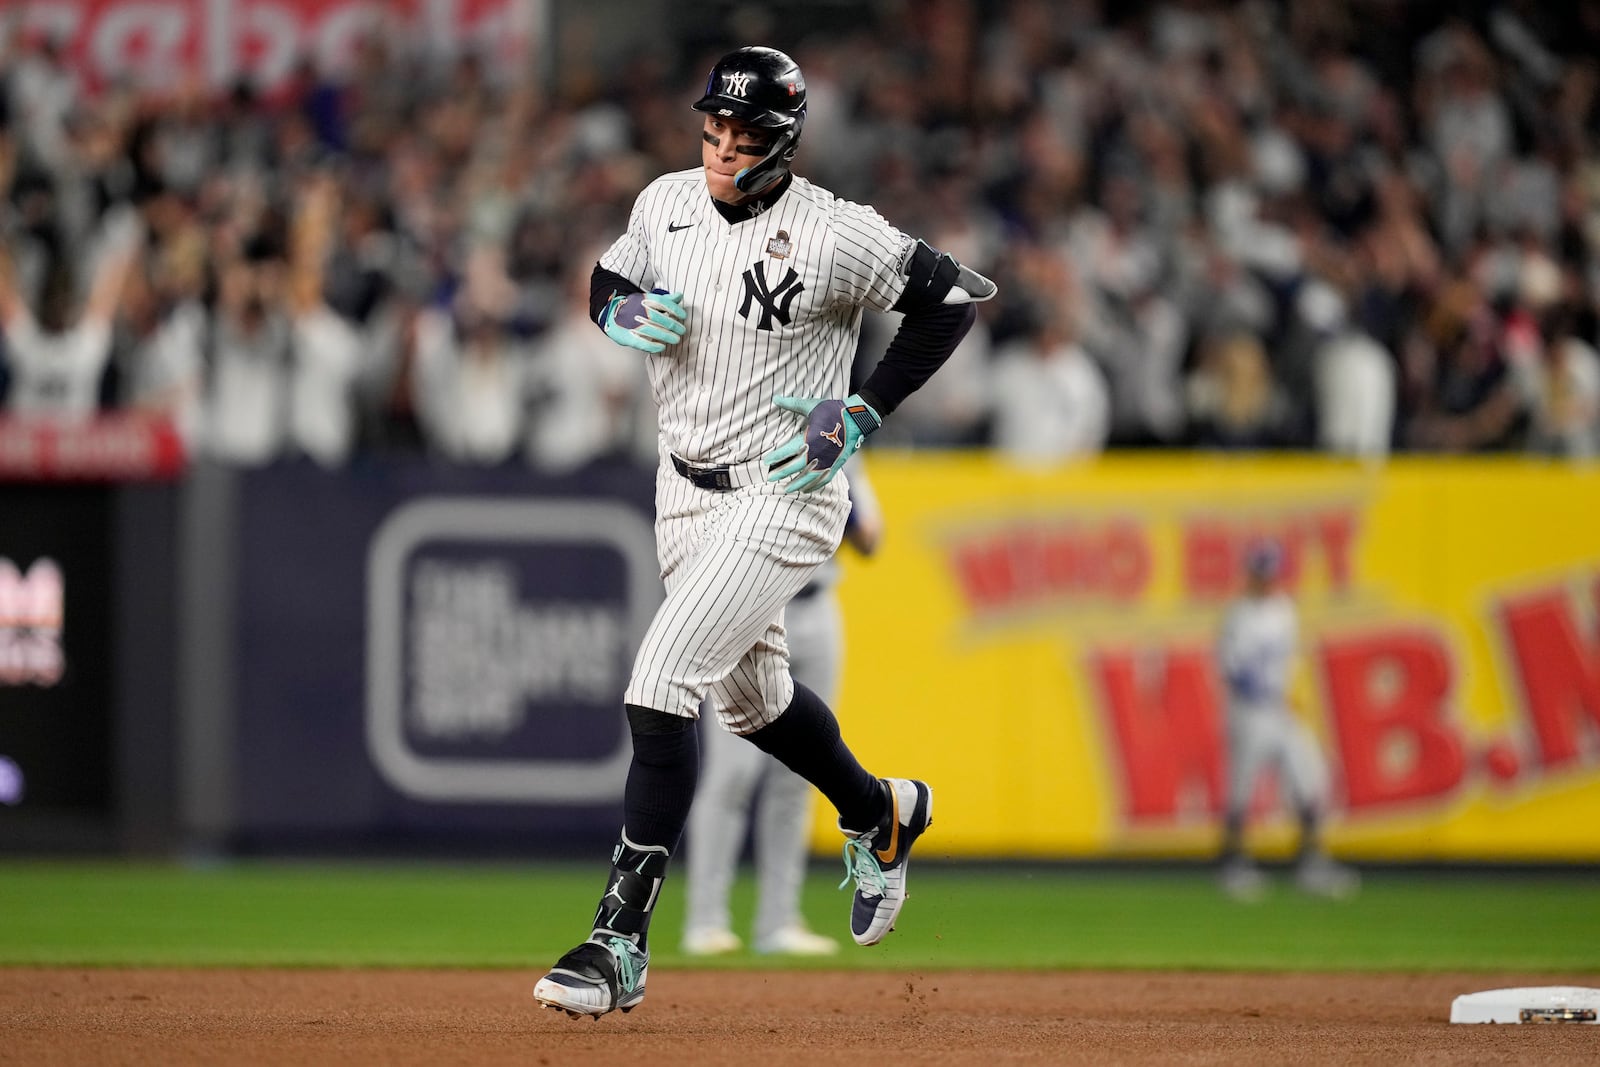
x=603, y=285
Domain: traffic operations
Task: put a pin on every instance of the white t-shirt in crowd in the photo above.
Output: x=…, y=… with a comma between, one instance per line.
x=1356, y=395
x=168, y=370
x=595, y=398
x=56, y=375
x=471, y=405
x=245, y=417
x=1049, y=408
x=327, y=357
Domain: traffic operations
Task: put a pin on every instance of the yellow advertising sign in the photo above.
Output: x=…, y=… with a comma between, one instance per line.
x=1038, y=646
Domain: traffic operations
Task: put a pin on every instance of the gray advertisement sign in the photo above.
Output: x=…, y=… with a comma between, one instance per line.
x=435, y=656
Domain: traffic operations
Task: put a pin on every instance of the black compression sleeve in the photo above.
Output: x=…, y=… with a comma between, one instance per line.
x=924, y=341
x=603, y=285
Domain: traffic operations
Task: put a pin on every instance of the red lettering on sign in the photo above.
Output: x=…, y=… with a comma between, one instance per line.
x=1126, y=564
x=1336, y=533
x=1387, y=699
x=983, y=570
x=1558, y=670
x=117, y=446
x=1209, y=565
x=1032, y=563
x=1165, y=728
x=165, y=44
x=1214, y=548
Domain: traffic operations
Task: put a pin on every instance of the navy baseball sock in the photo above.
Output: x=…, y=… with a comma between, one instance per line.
x=661, y=778
x=806, y=739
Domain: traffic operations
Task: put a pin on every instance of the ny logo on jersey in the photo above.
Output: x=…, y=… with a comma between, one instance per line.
x=735, y=84
x=774, y=300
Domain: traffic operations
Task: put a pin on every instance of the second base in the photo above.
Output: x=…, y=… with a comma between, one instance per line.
x=1528, y=1004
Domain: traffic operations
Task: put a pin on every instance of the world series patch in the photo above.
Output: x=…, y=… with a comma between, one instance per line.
x=778, y=247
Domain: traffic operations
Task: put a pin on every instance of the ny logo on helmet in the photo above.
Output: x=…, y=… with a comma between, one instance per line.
x=735, y=84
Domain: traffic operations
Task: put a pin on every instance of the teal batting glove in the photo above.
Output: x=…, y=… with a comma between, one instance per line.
x=834, y=431
x=646, y=321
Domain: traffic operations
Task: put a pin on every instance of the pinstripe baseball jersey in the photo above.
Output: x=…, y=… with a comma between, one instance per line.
x=774, y=306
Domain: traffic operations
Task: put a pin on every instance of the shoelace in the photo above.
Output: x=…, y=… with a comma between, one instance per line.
x=862, y=867
x=627, y=962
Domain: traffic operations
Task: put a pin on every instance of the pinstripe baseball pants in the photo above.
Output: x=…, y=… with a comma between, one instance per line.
x=735, y=770
x=730, y=561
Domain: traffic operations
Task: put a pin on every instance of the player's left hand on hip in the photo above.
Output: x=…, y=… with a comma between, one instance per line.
x=834, y=431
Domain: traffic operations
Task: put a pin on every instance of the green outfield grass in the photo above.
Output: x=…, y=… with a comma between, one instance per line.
x=468, y=915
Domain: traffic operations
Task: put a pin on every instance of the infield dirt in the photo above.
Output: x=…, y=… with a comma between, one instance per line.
x=767, y=1019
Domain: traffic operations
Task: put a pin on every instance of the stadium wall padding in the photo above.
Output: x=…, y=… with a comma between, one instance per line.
x=406, y=656
x=1037, y=644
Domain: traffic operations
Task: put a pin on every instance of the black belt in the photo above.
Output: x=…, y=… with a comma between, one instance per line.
x=716, y=479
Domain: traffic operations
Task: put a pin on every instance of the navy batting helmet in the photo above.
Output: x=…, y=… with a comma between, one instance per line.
x=763, y=87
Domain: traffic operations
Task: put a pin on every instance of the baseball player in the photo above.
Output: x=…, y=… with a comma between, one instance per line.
x=734, y=773
x=744, y=285
x=1256, y=656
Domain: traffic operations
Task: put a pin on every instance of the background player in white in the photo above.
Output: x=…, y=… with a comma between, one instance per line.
x=746, y=285
x=1257, y=654
x=738, y=777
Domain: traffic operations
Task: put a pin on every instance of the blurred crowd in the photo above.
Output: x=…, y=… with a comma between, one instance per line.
x=1359, y=226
